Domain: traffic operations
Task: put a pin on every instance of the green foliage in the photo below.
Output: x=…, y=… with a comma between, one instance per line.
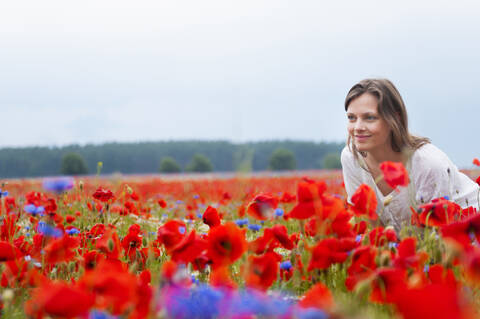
x=199, y=164
x=144, y=157
x=169, y=165
x=282, y=160
x=332, y=161
x=73, y=164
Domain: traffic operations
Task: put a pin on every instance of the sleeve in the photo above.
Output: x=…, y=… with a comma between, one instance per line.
x=435, y=177
x=351, y=177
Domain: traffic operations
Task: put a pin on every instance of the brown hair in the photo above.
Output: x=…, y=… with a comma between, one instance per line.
x=392, y=108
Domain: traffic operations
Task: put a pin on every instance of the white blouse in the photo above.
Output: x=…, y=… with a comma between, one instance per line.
x=432, y=175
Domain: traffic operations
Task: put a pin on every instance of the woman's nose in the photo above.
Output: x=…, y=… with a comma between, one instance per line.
x=359, y=125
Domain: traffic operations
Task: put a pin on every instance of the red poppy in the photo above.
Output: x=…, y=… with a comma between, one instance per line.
x=262, y=270
x=432, y=301
x=309, y=199
x=476, y=161
x=57, y=299
x=387, y=283
x=478, y=180
x=281, y=235
x=103, y=195
x=327, y=252
x=188, y=249
x=171, y=233
x=61, y=249
x=394, y=174
x=407, y=256
x=226, y=243
x=130, y=243
x=439, y=275
x=472, y=267
x=8, y=251
x=438, y=212
x=362, y=266
x=109, y=244
x=262, y=207
x=317, y=297
x=365, y=202
x=461, y=231
x=220, y=277
x=380, y=236
x=211, y=217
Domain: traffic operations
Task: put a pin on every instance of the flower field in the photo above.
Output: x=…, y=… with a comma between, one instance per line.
x=229, y=247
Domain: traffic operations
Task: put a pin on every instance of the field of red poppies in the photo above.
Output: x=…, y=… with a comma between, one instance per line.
x=230, y=247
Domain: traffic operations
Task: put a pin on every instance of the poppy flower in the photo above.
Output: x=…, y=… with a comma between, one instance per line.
x=394, y=174
x=220, y=277
x=439, y=275
x=438, y=212
x=103, y=195
x=463, y=231
x=211, y=217
x=380, y=236
x=8, y=251
x=387, y=283
x=327, y=252
x=262, y=270
x=281, y=235
x=188, y=249
x=365, y=202
x=171, y=233
x=362, y=266
x=61, y=249
x=478, y=180
x=437, y=301
x=317, y=297
x=309, y=199
x=476, y=162
x=130, y=243
x=472, y=267
x=58, y=299
x=262, y=207
x=226, y=244
x=407, y=256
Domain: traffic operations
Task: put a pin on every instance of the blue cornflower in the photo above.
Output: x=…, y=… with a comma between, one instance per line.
x=181, y=230
x=202, y=303
x=446, y=197
x=426, y=268
x=279, y=212
x=254, y=227
x=58, y=185
x=34, y=210
x=96, y=314
x=311, y=313
x=392, y=245
x=179, y=202
x=48, y=230
x=358, y=238
x=199, y=215
x=3, y=193
x=72, y=231
x=286, y=265
x=196, y=196
x=241, y=222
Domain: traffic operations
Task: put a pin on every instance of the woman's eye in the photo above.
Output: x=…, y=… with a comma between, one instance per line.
x=371, y=118
x=351, y=117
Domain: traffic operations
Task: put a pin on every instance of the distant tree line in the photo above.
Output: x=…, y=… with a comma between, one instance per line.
x=169, y=156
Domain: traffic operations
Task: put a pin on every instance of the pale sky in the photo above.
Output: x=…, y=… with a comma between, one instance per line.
x=95, y=71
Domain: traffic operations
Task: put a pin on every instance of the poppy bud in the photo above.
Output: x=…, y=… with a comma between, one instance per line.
x=110, y=244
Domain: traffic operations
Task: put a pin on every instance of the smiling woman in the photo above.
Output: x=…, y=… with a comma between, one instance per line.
x=378, y=132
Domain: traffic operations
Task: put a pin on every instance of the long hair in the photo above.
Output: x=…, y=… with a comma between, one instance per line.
x=391, y=108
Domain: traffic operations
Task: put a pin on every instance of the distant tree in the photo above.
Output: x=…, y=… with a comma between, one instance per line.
x=200, y=164
x=73, y=164
x=332, y=161
x=169, y=165
x=282, y=160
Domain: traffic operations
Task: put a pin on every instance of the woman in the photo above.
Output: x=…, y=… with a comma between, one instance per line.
x=378, y=132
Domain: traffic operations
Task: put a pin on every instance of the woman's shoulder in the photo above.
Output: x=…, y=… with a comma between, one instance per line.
x=430, y=157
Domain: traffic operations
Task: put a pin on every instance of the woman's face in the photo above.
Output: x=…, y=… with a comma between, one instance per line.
x=368, y=130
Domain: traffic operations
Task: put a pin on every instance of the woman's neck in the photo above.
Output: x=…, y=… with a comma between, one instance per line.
x=376, y=157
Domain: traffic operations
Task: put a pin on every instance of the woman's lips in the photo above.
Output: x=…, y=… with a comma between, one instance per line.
x=361, y=138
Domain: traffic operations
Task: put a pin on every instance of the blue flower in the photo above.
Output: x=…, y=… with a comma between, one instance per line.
x=196, y=196
x=48, y=230
x=72, y=231
x=58, y=185
x=181, y=230
x=3, y=194
x=34, y=210
x=311, y=313
x=254, y=227
x=358, y=238
x=279, y=212
x=286, y=265
x=241, y=222
x=96, y=314
x=202, y=303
